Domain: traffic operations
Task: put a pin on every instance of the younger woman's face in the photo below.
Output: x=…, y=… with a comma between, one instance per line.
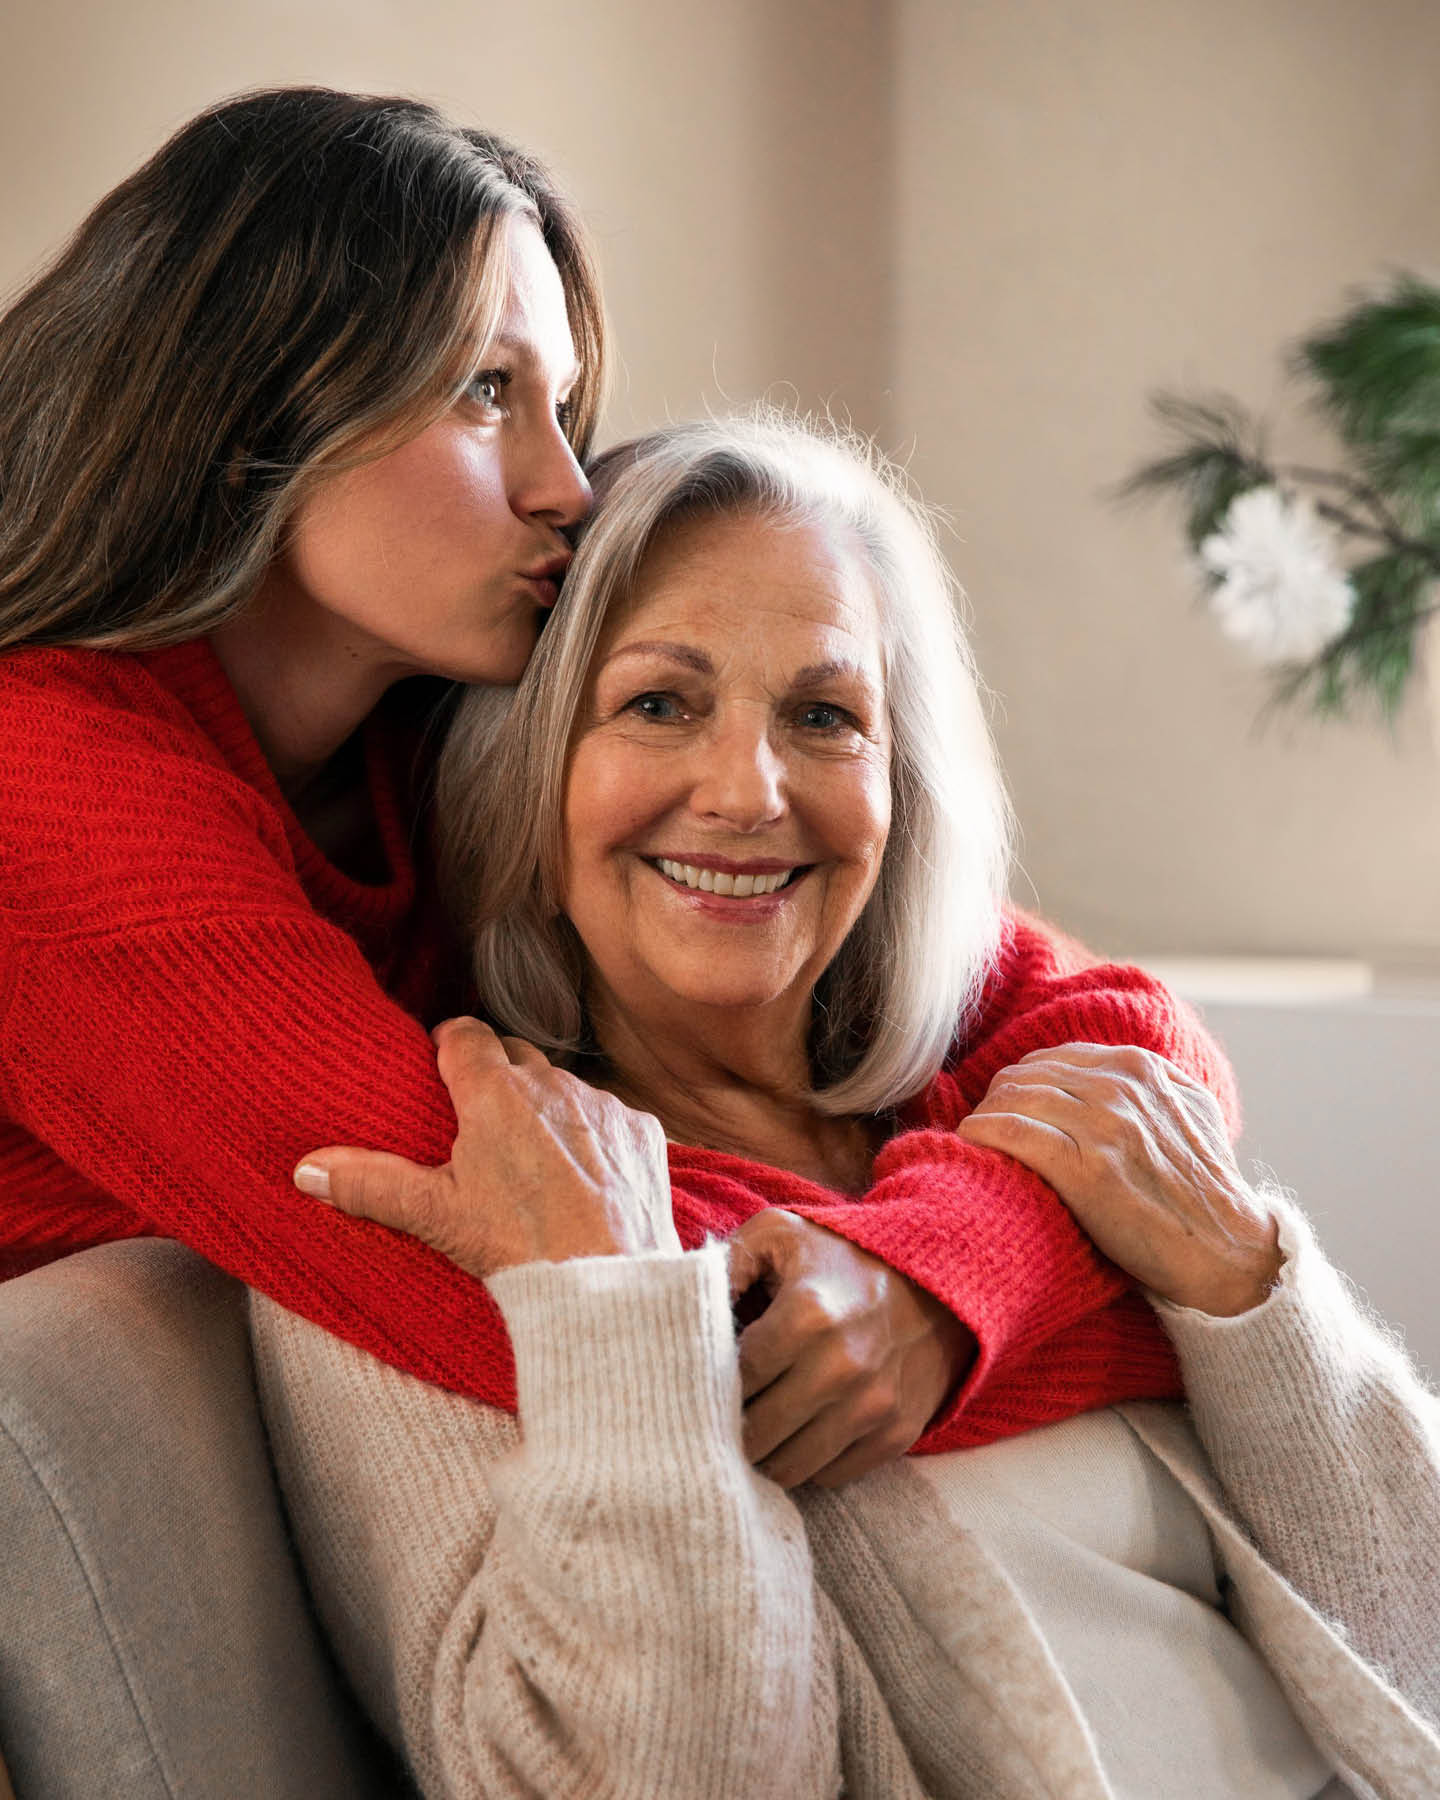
x=728, y=797
x=441, y=557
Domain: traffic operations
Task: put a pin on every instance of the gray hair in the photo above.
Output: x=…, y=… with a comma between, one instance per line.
x=910, y=971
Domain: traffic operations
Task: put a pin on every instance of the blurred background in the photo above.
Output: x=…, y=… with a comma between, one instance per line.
x=982, y=230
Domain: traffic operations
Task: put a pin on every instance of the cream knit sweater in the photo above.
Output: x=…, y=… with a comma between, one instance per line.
x=619, y=1606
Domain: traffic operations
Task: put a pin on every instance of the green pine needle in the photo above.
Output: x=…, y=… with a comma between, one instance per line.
x=1218, y=458
x=1378, y=371
x=1375, y=655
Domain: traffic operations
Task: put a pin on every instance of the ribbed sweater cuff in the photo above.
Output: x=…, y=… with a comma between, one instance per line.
x=618, y=1354
x=1304, y=1326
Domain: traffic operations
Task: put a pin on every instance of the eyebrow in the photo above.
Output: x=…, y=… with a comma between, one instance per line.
x=680, y=653
x=812, y=675
x=817, y=674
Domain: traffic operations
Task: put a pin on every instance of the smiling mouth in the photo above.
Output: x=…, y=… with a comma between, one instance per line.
x=719, y=881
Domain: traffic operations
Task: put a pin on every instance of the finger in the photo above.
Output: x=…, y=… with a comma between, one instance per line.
x=467, y=1052
x=745, y=1267
x=1036, y=1099
x=1044, y=1068
x=870, y=1452
x=369, y=1184
x=823, y=1440
x=1080, y=1051
x=1046, y=1150
x=799, y=1317
x=837, y=1379
x=766, y=1349
x=1125, y=1060
x=522, y=1054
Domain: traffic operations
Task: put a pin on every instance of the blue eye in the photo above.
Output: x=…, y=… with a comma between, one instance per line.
x=488, y=387
x=654, y=706
x=821, y=716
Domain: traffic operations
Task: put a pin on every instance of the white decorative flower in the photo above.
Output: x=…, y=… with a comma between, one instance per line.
x=1279, y=589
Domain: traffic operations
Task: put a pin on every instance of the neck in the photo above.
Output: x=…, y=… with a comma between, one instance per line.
x=304, y=680
x=738, y=1081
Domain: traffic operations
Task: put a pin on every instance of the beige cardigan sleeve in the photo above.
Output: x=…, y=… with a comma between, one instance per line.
x=1327, y=1446
x=616, y=1605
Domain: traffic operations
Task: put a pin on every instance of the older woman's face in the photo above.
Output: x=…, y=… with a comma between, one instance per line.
x=728, y=797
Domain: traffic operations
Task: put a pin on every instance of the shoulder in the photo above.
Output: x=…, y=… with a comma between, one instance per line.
x=1047, y=990
x=110, y=771
x=1037, y=960
x=55, y=701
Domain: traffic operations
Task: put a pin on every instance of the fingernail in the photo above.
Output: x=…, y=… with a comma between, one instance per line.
x=311, y=1179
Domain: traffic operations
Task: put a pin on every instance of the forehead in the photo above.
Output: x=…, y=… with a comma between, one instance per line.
x=755, y=581
x=534, y=324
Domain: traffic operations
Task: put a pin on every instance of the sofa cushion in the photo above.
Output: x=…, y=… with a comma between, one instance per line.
x=155, y=1638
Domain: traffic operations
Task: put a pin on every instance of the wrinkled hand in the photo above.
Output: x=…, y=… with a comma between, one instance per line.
x=543, y=1167
x=847, y=1364
x=1139, y=1153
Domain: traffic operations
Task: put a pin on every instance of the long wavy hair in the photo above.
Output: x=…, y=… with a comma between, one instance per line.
x=297, y=278
x=909, y=973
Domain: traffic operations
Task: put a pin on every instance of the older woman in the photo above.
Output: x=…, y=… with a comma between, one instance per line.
x=730, y=773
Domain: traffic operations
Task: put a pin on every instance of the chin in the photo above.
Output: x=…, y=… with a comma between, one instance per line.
x=495, y=665
x=726, y=997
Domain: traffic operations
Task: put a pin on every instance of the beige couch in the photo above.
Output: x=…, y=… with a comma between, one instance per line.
x=155, y=1638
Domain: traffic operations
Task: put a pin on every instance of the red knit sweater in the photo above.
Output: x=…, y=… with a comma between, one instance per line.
x=191, y=997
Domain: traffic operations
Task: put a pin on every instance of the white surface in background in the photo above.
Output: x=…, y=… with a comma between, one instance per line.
x=1264, y=980
x=1341, y=1096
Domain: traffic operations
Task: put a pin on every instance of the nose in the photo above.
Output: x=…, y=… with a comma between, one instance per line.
x=547, y=482
x=739, y=779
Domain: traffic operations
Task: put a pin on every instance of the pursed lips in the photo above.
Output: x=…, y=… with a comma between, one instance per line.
x=545, y=579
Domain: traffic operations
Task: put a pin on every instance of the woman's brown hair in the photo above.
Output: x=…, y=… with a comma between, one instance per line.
x=298, y=276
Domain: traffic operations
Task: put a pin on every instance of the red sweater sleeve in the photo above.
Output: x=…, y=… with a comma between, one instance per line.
x=178, y=1025
x=1059, y=1328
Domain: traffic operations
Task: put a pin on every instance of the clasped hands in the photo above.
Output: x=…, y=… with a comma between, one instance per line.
x=848, y=1360
x=842, y=1369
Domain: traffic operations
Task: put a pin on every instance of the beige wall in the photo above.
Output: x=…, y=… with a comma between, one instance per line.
x=692, y=135
x=1098, y=196
x=983, y=230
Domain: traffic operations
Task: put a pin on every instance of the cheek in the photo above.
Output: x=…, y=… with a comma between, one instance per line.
x=610, y=794
x=857, y=812
x=407, y=512
x=456, y=480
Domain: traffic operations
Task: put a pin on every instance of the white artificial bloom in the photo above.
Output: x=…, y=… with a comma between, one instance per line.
x=1279, y=589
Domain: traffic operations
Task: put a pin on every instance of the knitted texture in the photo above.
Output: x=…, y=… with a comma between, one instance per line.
x=1380, y=1423
x=192, y=997
x=609, y=1601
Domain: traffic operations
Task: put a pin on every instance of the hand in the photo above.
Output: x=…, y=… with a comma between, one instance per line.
x=1138, y=1152
x=543, y=1167
x=847, y=1364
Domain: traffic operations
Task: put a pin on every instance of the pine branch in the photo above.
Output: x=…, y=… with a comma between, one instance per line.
x=1375, y=654
x=1376, y=372
x=1220, y=456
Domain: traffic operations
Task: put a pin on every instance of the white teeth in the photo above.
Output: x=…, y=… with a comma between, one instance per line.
x=715, y=881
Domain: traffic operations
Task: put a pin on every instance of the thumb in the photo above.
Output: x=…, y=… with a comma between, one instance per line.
x=745, y=1267
x=371, y=1184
